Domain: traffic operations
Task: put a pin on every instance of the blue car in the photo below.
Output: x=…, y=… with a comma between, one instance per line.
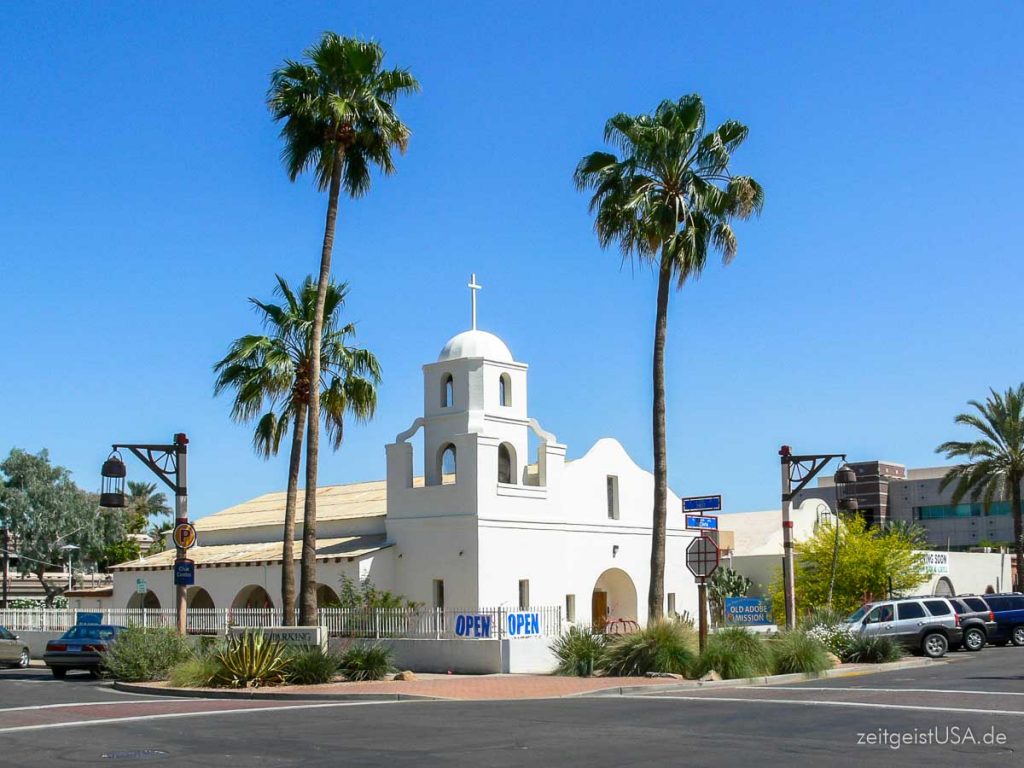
x=81, y=647
x=1009, y=616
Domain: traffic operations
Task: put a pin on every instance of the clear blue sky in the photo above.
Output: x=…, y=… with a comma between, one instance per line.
x=142, y=201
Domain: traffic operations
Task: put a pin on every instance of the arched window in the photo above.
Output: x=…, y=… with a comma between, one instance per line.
x=447, y=391
x=506, y=463
x=448, y=468
x=505, y=390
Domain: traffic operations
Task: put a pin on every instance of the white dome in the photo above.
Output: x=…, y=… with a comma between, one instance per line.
x=475, y=344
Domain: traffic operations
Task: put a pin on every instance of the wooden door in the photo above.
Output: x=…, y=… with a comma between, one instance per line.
x=599, y=610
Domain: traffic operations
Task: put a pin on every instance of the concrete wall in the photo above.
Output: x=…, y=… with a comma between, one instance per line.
x=466, y=657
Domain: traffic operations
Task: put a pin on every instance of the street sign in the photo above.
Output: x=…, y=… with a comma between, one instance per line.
x=703, y=503
x=702, y=557
x=184, y=535
x=184, y=573
x=141, y=587
x=701, y=523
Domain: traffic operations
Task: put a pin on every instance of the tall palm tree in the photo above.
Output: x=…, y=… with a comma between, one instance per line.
x=338, y=110
x=667, y=201
x=270, y=376
x=144, y=503
x=995, y=459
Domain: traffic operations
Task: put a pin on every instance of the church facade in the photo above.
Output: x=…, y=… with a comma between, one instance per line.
x=486, y=512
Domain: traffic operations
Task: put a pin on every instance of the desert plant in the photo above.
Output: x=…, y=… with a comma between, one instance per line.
x=251, y=660
x=138, y=654
x=198, y=671
x=579, y=651
x=366, y=661
x=662, y=646
x=872, y=649
x=734, y=653
x=311, y=666
x=798, y=651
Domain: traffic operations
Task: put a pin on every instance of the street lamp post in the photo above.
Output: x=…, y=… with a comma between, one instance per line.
x=844, y=479
x=797, y=472
x=71, y=549
x=170, y=464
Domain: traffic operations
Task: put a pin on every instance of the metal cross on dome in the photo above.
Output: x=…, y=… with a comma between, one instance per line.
x=473, y=288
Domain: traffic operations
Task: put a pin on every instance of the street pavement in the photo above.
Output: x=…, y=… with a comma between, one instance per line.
x=848, y=721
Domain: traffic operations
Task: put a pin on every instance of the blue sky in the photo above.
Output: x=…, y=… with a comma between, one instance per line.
x=143, y=201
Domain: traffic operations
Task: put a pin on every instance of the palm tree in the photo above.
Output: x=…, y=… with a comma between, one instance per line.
x=270, y=376
x=144, y=503
x=995, y=459
x=338, y=110
x=667, y=201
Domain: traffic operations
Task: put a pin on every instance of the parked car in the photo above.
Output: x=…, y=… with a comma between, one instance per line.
x=13, y=652
x=80, y=648
x=1008, y=609
x=977, y=621
x=928, y=625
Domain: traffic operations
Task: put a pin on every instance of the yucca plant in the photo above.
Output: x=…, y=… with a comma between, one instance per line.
x=366, y=661
x=251, y=660
x=798, y=651
x=662, y=646
x=734, y=653
x=578, y=651
x=872, y=649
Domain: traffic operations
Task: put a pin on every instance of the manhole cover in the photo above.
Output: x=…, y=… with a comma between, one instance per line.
x=134, y=754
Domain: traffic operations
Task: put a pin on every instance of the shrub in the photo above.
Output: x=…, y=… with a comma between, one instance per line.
x=734, y=653
x=195, y=672
x=311, y=666
x=798, y=652
x=138, y=654
x=366, y=661
x=836, y=639
x=872, y=649
x=578, y=651
x=250, y=660
x=662, y=646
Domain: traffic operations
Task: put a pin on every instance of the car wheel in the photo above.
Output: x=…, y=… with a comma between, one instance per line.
x=23, y=659
x=974, y=639
x=934, y=645
x=59, y=672
x=1018, y=635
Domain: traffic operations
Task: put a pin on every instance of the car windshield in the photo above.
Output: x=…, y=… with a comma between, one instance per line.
x=89, y=632
x=858, y=614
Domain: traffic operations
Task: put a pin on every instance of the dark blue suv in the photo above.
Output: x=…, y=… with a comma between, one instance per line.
x=1009, y=615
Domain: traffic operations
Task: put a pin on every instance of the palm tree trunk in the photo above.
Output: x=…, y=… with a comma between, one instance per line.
x=1018, y=532
x=287, y=548
x=656, y=594
x=307, y=577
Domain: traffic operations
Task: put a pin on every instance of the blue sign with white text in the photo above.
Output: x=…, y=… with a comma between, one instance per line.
x=473, y=625
x=89, y=617
x=702, y=503
x=701, y=523
x=748, y=612
x=184, y=573
x=523, y=624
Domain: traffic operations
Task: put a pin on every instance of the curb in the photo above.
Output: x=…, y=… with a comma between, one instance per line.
x=255, y=695
x=851, y=670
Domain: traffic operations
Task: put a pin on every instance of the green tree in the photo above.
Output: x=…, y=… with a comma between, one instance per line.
x=994, y=465
x=870, y=562
x=270, y=376
x=339, y=120
x=145, y=506
x=667, y=200
x=46, y=514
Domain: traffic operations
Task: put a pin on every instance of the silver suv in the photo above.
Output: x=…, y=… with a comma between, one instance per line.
x=928, y=625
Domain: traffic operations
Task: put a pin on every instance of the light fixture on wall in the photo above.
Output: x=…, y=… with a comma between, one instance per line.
x=615, y=549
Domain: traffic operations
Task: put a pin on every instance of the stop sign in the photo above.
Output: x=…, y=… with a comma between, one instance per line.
x=702, y=557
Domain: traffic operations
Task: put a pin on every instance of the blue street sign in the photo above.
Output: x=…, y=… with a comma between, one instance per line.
x=702, y=503
x=184, y=573
x=748, y=612
x=701, y=523
x=89, y=617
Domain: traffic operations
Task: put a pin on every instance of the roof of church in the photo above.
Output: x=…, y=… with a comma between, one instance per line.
x=476, y=344
x=333, y=502
x=223, y=555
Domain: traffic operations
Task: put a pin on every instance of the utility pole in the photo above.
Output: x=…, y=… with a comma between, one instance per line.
x=7, y=563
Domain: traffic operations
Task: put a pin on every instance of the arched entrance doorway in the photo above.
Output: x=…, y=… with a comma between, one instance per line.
x=944, y=587
x=148, y=600
x=199, y=598
x=613, y=599
x=252, y=596
x=326, y=597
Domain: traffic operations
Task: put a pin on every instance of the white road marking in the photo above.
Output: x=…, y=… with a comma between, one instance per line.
x=898, y=690
x=860, y=704
x=114, y=703
x=170, y=715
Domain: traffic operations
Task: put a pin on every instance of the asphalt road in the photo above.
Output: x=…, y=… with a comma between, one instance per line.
x=822, y=721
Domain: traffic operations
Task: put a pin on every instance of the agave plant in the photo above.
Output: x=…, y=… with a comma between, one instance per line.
x=252, y=660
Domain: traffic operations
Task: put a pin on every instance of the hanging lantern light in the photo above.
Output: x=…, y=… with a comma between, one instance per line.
x=112, y=488
x=845, y=480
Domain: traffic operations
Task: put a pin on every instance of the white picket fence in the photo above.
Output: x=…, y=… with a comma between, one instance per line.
x=421, y=623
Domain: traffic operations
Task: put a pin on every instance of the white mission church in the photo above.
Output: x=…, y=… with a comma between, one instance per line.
x=482, y=524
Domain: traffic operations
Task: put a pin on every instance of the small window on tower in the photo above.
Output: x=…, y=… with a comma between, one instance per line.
x=524, y=594
x=505, y=390
x=448, y=466
x=613, y=497
x=447, y=391
x=506, y=463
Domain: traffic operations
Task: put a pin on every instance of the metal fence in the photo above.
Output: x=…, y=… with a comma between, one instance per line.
x=421, y=623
